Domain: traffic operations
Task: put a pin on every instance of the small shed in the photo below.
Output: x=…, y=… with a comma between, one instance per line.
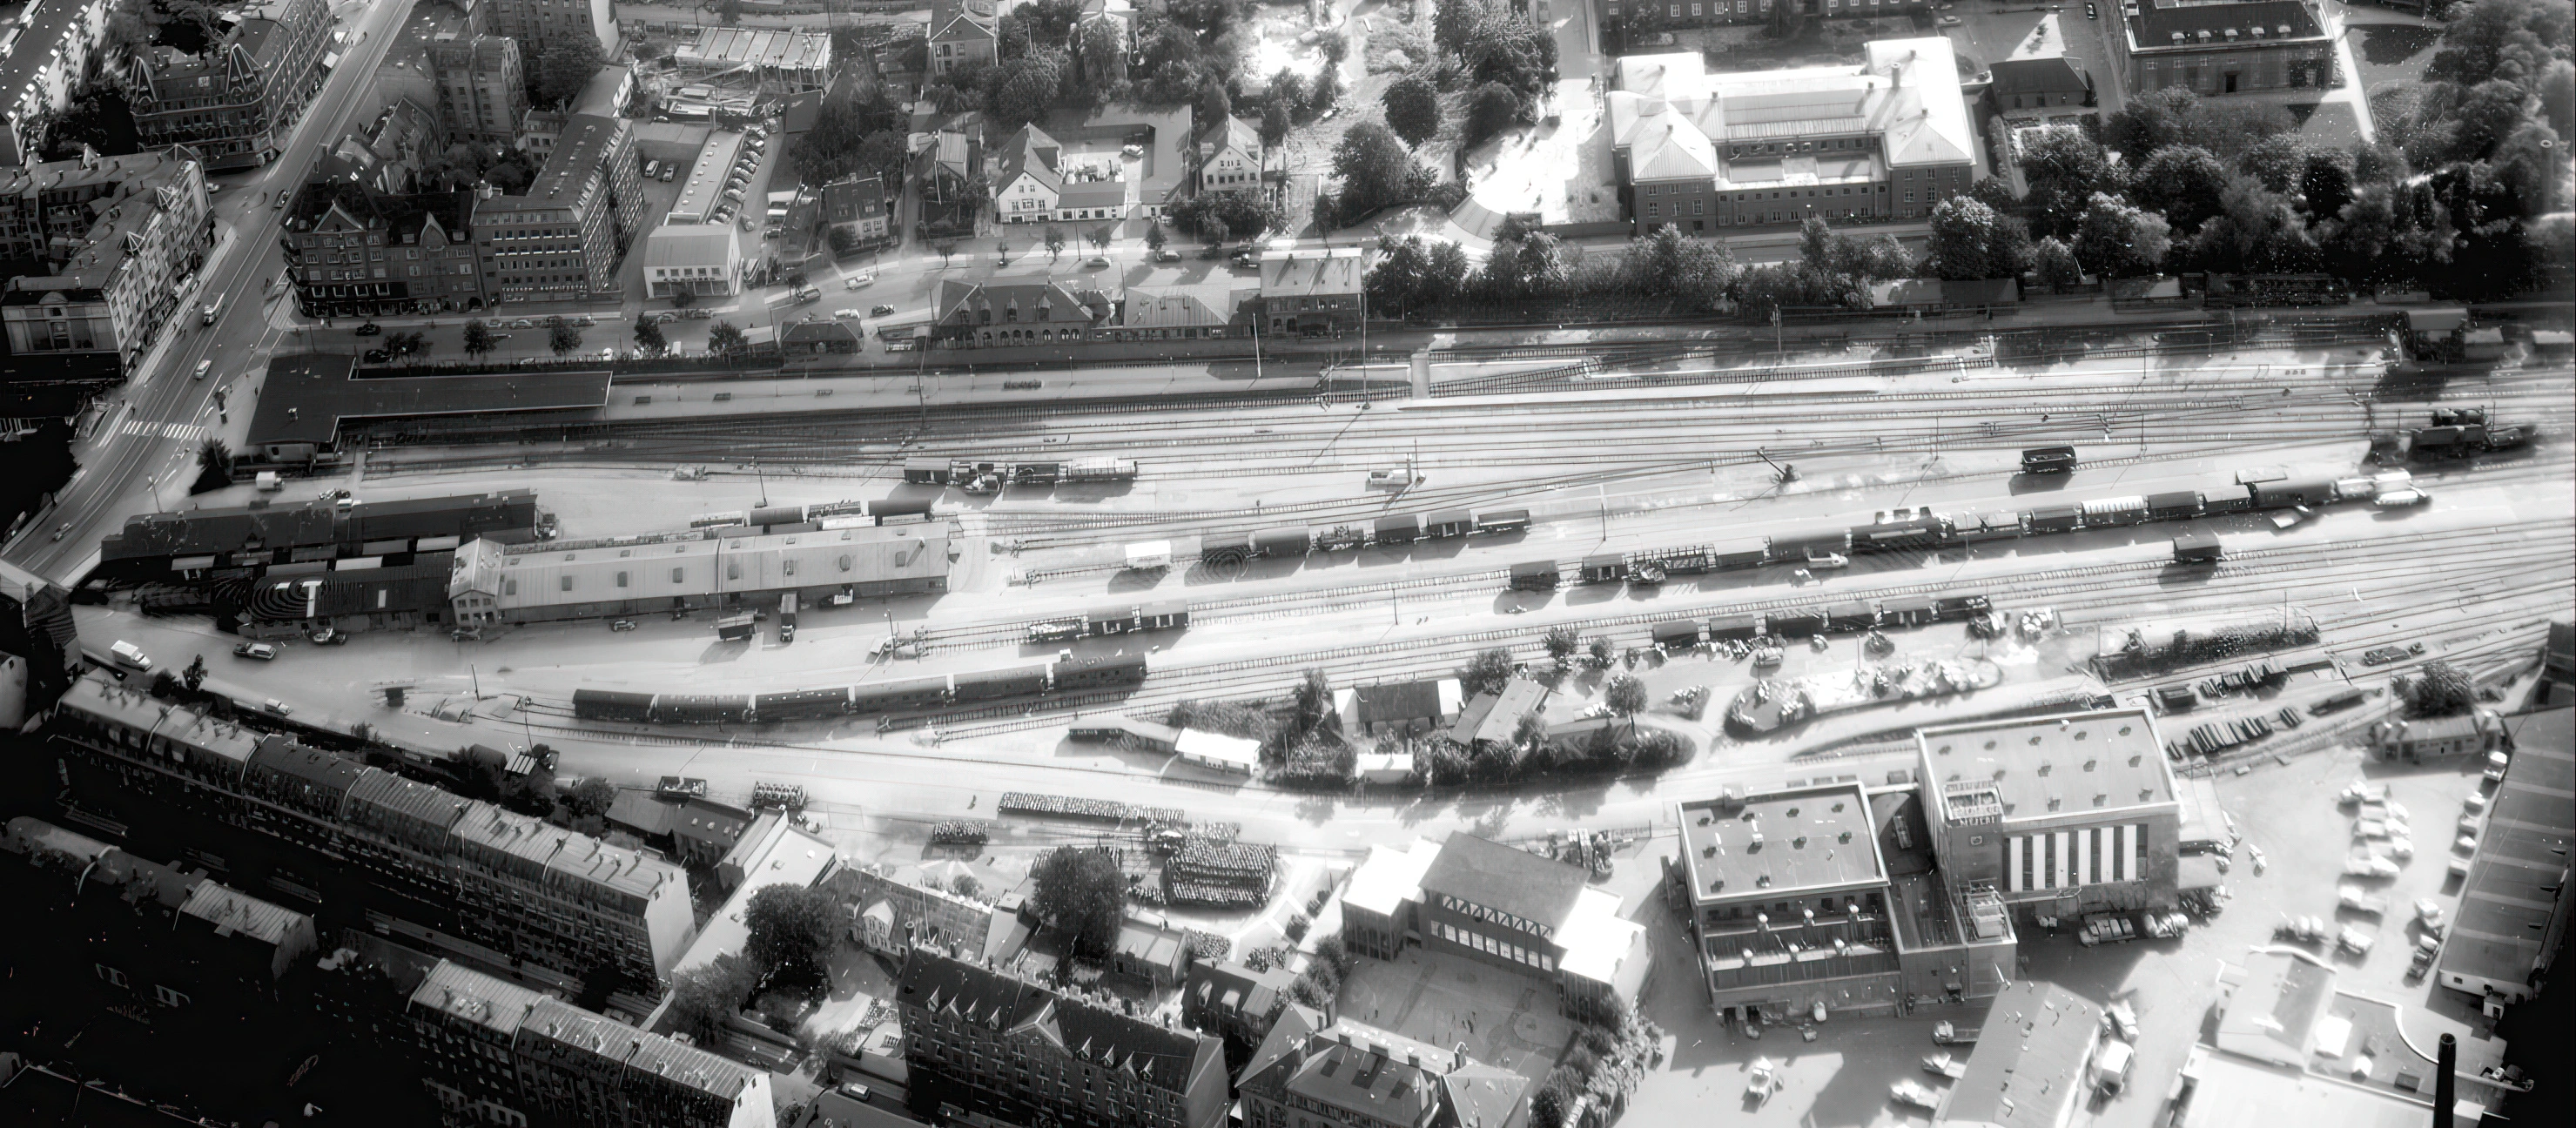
x=1385, y=767
x=1218, y=751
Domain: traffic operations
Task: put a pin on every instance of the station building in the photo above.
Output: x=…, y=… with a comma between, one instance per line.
x=493, y=582
x=1501, y=906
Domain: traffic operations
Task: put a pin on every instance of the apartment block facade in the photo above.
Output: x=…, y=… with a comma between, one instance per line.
x=237, y=102
x=355, y=252
x=563, y=239
x=482, y=90
x=996, y=1045
x=539, y=24
x=44, y=54
x=499, y=1053
x=125, y=237
x=556, y=898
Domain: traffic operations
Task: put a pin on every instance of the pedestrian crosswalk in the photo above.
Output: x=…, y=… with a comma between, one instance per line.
x=184, y=432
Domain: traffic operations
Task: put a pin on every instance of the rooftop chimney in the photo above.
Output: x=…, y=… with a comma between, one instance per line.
x=2445, y=1081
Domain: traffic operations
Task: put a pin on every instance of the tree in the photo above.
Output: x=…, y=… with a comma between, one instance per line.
x=479, y=773
x=725, y=339
x=478, y=340
x=1314, y=700
x=1214, y=104
x=947, y=249
x=1529, y=730
x=1054, y=242
x=1101, y=235
x=2183, y=183
x=1487, y=671
x=704, y=998
x=684, y=299
x=2501, y=38
x=2116, y=240
x=1103, y=55
x=1025, y=90
x=2441, y=690
x=2055, y=265
x=1969, y=241
x=2064, y=167
x=1453, y=22
x=2175, y=115
x=1561, y=642
x=729, y=12
x=563, y=336
x=2275, y=162
x=1666, y=263
x=566, y=66
x=1324, y=95
x=214, y=466
x=1625, y=694
x=1375, y=169
x=1155, y=239
x=1491, y=109
x=195, y=675
x=790, y=932
x=2255, y=232
x=2325, y=183
x=591, y=797
x=1081, y=891
x=1514, y=51
x=844, y=240
x=1274, y=123
x=1412, y=109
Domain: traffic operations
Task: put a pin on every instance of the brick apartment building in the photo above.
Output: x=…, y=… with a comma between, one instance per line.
x=124, y=238
x=556, y=898
x=355, y=252
x=989, y=1043
x=236, y=103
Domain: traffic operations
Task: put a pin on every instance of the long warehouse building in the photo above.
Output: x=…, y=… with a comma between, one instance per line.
x=495, y=582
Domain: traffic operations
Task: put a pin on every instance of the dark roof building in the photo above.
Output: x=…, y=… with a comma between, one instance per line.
x=1366, y=1077
x=2226, y=48
x=2514, y=905
x=236, y=103
x=978, y=314
x=309, y=397
x=1504, y=879
x=1493, y=717
x=819, y=336
x=1129, y=1072
x=2038, y=76
x=355, y=252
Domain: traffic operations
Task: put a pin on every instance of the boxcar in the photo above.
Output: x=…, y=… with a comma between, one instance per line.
x=1734, y=628
x=611, y=705
x=1906, y=611
x=800, y=705
x=1087, y=673
x=1535, y=575
x=1800, y=623
x=1225, y=548
x=1677, y=634
x=891, y=697
x=1449, y=523
x=2052, y=519
x=1798, y=548
x=2108, y=511
x=1850, y=616
x=701, y=709
x=926, y=472
x=1169, y=615
x=993, y=685
x=1960, y=606
x=1503, y=521
x=2048, y=460
x=1402, y=528
x=2174, y=506
x=1604, y=568
x=1291, y=542
x=2282, y=495
x=2198, y=546
x=1100, y=470
x=1972, y=528
x=1037, y=473
x=1108, y=620
x=1748, y=553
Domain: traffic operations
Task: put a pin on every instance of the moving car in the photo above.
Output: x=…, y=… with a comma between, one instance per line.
x=369, y=329
x=1948, y=21
x=1097, y=261
x=2092, y=13
x=280, y=205
x=130, y=656
x=276, y=706
x=861, y=279
x=259, y=650
x=204, y=367
x=621, y=624
x=1167, y=255
x=845, y=314
x=1764, y=1082
x=523, y=323
x=378, y=356
x=881, y=311
x=2400, y=499
x=2111, y=1067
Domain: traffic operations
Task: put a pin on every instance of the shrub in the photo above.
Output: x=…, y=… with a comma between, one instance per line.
x=1297, y=926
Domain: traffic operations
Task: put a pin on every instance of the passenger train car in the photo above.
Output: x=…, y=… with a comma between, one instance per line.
x=1065, y=675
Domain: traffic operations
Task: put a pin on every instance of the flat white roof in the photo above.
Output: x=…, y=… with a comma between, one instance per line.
x=1215, y=748
x=1595, y=938
x=1390, y=876
x=790, y=857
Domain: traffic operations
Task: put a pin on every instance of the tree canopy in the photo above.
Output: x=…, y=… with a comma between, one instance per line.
x=1081, y=890
x=791, y=933
x=565, y=66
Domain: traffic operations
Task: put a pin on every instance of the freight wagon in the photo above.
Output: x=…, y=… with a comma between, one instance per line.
x=1063, y=675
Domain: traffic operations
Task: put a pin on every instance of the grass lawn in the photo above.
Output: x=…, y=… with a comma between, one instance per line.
x=2384, y=53
x=2330, y=124
x=1818, y=43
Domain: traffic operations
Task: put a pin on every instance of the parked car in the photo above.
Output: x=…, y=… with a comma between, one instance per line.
x=861, y=279
x=880, y=310
x=1097, y=261
x=523, y=323
x=326, y=636
x=495, y=323
x=276, y=706
x=621, y=624
x=668, y=171
x=369, y=329
x=1913, y=1092
x=1167, y=255
x=259, y=650
x=1948, y=21
x=1764, y=1082
x=378, y=356
x=698, y=313
x=2400, y=499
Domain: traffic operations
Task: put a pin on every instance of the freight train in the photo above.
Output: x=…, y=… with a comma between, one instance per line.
x=1294, y=541
x=248, y=541
x=822, y=515
x=1065, y=675
x=1840, y=617
x=992, y=477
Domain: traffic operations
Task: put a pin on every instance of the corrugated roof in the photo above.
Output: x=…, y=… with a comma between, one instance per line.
x=2509, y=909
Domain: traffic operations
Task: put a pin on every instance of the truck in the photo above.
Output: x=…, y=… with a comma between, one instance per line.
x=1947, y=1034
x=130, y=656
x=786, y=618
x=735, y=628
x=214, y=308
x=2111, y=1067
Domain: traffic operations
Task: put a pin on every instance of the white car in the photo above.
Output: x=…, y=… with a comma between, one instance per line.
x=861, y=280
x=204, y=367
x=845, y=315
x=2400, y=499
x=1948, y=21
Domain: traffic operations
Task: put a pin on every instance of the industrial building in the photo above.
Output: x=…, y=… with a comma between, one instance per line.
x=801, y=60
x=1502, y=906
x=2028, y=1068
x=2514, y=903
x=2061, y=816
x=551, y=896
x=312, y=400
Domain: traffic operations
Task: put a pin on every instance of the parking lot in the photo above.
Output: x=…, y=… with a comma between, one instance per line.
x=1988, y=31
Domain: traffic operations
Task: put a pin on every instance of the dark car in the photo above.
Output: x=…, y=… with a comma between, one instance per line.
x=378, y=356
x=2092, y=13
x=329, y=637
x=369, y=329
x=881, y=311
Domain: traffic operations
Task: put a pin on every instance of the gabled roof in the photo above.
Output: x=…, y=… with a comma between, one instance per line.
x=1232, y=133
x=1163, y=1058
x=960, y=303
x=969, y=19
x=1501, y=877
x=233, y=912
x=1029, y=151
x=818, y=332
x=1490, y=716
